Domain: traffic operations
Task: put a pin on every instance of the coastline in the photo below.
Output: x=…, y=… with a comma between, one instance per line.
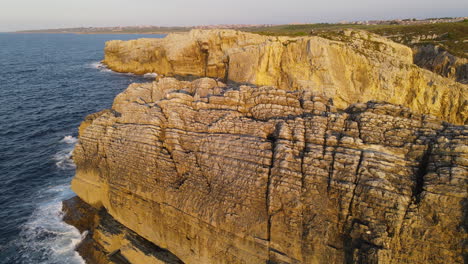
x=49, y=83
x=96, y=33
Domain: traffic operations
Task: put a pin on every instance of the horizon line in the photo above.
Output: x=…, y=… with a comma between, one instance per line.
x=240, y=24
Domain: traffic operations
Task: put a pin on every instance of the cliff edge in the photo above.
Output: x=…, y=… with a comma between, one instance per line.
x=215, y=173
x=435, y=58
x=353, y=67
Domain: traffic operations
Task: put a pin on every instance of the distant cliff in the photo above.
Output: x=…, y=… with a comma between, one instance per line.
x=355, y=67
x=443, y=53
x=435, y=58
x=201, y=172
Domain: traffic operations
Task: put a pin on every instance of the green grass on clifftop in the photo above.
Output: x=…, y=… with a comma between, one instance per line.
x=452, y=36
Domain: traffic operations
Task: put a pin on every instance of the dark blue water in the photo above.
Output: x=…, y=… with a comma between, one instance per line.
x=48, y=84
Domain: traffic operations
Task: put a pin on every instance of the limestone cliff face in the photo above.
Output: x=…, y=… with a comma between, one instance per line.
x=357, y=67
x=228, y=174
x=107, y=241
x=438, y=60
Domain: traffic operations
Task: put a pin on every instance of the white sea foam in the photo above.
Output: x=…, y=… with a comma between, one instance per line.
x=100, y=66
x=96, y=65
x=69, y=140
x=63, y=157
x=103, y=68
x=45, y=237
x=46, y=234
x=151, y=75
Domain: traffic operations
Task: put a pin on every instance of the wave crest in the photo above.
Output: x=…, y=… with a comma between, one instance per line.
x=63, y=158
x=99, y=66
x=150, y=75
x=103, y=68
x=45, y=238
x=69, y=140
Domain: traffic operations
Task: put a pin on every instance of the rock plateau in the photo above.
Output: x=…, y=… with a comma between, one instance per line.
x=354, y=67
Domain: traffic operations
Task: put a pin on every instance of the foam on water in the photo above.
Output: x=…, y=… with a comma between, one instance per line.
x=63, y=157
x=45, y=238
x=151, y=75
x=100, y=66
x=69, y=140
x=35, y=164
x=103, y=68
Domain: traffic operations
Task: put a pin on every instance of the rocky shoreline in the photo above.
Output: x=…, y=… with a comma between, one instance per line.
x=283, y=170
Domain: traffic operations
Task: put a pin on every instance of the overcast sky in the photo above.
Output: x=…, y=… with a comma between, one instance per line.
x=37, y=14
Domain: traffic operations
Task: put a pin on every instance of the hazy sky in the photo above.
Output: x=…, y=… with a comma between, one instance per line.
x=36, y=14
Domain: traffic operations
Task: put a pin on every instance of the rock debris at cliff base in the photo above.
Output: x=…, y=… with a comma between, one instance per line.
x=241, y=174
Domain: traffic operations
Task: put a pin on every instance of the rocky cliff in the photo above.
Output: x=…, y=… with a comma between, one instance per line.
x=351, y=68
x=202, y=172
x=435, y=58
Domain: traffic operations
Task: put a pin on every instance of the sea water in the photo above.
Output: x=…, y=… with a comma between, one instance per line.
x=48, y=84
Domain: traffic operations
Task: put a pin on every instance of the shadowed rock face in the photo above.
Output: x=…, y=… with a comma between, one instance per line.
x=219, y=174
x=438, y=60
x=106, y=241
x=355, y=68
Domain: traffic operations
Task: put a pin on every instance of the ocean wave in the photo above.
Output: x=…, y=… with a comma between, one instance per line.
x=69, y=140
x=103, y=68
x=63, y=157
x=151, y=75
x=100, y=66
x=45, y=238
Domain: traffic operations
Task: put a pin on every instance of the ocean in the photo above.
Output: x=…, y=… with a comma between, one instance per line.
x=48, y=84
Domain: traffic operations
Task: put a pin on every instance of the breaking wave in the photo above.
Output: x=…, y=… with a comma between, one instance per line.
x=151, y=75
x=35, y=164
x=103, y=68
x=63, y=157
x=100, y=66
x=69, y=140
x=45, y=237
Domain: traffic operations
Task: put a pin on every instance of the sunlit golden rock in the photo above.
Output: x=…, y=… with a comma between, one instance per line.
x=359, y=67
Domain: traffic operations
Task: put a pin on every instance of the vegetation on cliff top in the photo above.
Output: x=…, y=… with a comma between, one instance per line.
x=451, y=36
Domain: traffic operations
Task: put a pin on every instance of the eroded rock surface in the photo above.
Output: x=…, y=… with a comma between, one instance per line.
x=354, y=68
x=437, y=59
x=106, y=241
x=228, y=174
